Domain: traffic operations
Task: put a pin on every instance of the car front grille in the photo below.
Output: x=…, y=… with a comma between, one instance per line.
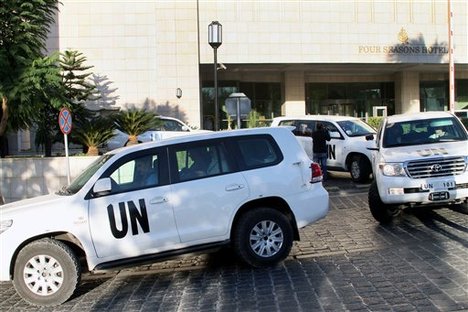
x=438, y=167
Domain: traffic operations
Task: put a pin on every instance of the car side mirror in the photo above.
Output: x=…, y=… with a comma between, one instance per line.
x=102, y=186
x=185, y=128
x=370, y=137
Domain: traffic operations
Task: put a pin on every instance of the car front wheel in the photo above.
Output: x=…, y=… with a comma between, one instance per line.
x=263, y=236
x=381, y=212
x=359, y=169
x=46, y=272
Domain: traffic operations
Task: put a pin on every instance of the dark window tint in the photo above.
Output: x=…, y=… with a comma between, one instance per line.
x=258, y=151
x=204, y=159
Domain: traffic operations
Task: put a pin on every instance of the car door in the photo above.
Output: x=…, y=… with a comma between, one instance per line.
x=134, y=218
x=206, y=191
x=336, y=146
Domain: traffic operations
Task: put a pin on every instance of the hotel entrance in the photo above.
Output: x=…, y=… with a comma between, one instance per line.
x=349, y=99
x=344, y=107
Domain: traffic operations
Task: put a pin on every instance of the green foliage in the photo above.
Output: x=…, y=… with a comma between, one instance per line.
x=78, y=87
x=374, y=122
x=41, y=92
x=256, y=120
x=24, y=28
x=76, y=78
x=134, y=122
x=93, y=132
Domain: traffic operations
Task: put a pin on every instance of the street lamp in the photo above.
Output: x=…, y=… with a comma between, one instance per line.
x=215, y=38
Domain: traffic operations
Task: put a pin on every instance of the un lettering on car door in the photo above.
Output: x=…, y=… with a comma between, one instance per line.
x=334, y=153
x=132, y=223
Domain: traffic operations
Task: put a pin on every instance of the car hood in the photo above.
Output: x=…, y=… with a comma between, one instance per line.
x=420, y=152
x=29, y=204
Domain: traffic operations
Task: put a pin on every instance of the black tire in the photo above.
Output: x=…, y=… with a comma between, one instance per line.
x=263, y=236
x=360, y=169
x=46, y=272
x=462, y=208
x=381, y=212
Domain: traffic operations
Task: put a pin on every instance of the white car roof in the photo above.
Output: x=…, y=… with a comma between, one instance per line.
x=316, y=117
x=417, y=116
x=203, y=136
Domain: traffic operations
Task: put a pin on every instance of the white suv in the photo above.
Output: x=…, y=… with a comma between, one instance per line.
x=348, y=147
x=420, y=160
x=253, y=189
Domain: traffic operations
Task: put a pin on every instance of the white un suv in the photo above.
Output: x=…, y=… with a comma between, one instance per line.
x=420, y=160
x=348, y=147
x=252, y=189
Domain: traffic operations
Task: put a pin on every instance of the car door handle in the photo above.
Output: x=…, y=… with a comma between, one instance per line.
x=234, y=187
x=158, y=200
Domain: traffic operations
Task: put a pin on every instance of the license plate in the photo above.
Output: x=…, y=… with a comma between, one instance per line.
x=438, y=185
x=439, y=196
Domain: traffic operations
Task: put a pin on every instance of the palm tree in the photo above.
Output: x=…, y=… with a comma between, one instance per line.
x=134, y=122
x=94, y=132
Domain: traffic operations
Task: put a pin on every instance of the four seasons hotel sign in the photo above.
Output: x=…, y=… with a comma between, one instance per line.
x=404, y=47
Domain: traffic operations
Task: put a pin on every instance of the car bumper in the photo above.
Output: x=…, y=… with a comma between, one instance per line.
x=310, y=206
x=443, y=190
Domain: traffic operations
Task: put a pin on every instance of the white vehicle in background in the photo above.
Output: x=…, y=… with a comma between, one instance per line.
x=348, y=147
x=420, y=160
x=170, y=127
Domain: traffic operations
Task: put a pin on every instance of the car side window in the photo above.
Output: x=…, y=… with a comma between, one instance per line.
x=201, y=160
x=258, y=151
x=136, y=173
x=332, y=129
x=172, y=125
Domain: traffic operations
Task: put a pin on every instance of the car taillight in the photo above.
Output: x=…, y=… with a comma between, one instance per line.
x=316, y=173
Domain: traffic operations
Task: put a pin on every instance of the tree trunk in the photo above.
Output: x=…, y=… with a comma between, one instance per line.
x=3, y=124
x=48, y=148
x=4, y=120
x=92, y=151
x=132, y=140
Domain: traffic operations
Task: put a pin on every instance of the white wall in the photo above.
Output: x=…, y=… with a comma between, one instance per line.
x=22, y=178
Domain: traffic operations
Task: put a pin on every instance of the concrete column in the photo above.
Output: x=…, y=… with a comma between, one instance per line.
x=407, y=92
x=294, y=94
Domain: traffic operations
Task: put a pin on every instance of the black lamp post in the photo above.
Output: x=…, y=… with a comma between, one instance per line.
x=215, y=38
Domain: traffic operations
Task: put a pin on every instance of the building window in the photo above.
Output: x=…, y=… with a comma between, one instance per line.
x=349, y=99
x=265, y=100
x=433, y=96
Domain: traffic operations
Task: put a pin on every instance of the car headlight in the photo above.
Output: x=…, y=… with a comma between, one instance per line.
x=5, y=225
x=393, y=169
x=466, y=163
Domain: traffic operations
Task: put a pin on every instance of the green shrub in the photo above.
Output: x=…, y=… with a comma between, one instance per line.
x=374, y=122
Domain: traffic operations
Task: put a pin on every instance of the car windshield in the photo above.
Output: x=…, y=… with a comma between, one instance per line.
x=81, y=180
x=169, y=125
x=355, y=127
x=426, y=131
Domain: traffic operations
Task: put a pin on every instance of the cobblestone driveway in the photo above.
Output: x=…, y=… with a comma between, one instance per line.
x=346, y=262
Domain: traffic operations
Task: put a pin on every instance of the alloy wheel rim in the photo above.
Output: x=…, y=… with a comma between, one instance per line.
x=43, y=275
x=355, y=169
x=266, y=239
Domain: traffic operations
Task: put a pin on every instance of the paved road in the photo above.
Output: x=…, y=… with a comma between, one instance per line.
x=345, y=262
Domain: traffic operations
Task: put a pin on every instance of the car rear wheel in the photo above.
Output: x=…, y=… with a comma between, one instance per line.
x=263, y=236
x=381, y=212
x=359, y=169
x=46, y=272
